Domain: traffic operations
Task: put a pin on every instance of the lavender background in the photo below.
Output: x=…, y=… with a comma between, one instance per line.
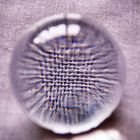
x=122, y=20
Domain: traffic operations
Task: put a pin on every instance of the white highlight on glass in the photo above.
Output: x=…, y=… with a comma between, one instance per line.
x=56, y=31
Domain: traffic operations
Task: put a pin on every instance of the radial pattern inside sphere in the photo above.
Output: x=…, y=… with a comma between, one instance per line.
x=67, y=74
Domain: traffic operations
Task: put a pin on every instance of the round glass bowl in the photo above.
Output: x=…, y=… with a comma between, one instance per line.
x=67, y=73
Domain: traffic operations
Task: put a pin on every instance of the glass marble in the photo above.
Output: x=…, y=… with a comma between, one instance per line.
x=67, y=73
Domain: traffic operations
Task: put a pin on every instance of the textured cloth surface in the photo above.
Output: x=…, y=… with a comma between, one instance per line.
x=122, y=20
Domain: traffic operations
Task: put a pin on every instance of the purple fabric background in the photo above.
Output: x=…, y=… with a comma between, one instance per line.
x=122, y=20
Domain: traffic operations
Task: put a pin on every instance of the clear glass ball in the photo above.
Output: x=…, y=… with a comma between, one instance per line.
x=67, y=73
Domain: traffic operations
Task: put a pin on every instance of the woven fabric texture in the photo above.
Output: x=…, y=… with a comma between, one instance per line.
x=122, y=20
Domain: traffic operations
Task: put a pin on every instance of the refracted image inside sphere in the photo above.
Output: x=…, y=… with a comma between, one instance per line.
x=67, y=74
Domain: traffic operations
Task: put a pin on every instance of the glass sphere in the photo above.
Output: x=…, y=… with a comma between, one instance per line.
x=67, y=73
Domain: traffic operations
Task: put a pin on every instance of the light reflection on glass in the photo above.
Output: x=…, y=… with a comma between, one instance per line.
x=56, y=31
